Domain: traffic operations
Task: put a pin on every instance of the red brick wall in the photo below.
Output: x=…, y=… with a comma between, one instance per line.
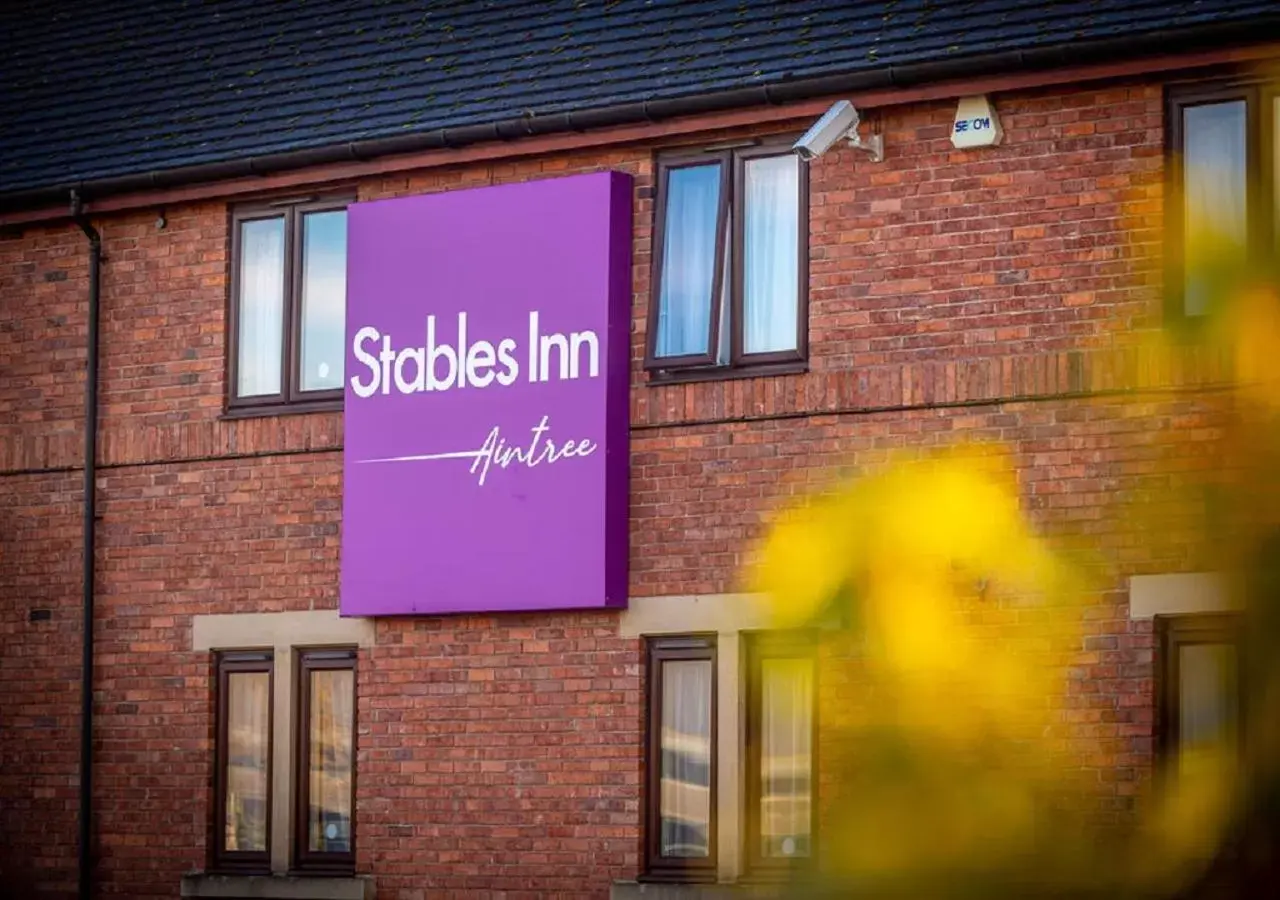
x=39, y=677
x=500, y=754
x=952, y=294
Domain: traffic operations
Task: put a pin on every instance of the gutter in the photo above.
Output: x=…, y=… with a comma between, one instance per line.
x=650, y=111
x=90, y=514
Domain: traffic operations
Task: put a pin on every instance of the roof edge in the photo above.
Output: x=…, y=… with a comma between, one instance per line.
x=650, y=111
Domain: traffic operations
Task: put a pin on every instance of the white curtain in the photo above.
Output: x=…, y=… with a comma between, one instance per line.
x=261, y=307
x=770, y=250
x=786, y=757
x=332, y=745
x=1275, y=172
x=688, y=260
x=248, y=717
x=686, y=758
x=1215, y=216
x=1206, y=695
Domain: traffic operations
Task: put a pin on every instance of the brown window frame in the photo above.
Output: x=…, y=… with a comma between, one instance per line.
x=758, y=647
x=658, y=867
x=1174, y=632
x=1259, y=97
x=227, y=663
x=290, y=397
x=306, y=661
x=705, y=366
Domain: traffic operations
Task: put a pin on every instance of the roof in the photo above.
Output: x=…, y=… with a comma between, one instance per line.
x=98, y=90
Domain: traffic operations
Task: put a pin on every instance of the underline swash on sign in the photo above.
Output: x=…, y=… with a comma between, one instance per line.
x=496, y=451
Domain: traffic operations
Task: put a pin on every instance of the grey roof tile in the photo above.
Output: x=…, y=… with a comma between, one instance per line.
x=96, y=89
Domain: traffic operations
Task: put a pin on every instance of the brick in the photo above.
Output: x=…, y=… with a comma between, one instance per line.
x=503, y=754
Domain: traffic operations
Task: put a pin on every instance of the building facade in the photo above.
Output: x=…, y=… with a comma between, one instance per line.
x=784, y=319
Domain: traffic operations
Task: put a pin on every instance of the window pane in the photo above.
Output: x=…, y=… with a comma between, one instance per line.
x=688, y=260
x=324, y=299
x=685, y=808
x=786, y=757
x=248, y=730
x=724, y=347
x=1206, y=694
x=1214, y=190
x=770, y=253
x=331, y=702
x=261, y=313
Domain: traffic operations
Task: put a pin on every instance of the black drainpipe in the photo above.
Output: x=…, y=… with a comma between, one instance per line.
x=90, y=518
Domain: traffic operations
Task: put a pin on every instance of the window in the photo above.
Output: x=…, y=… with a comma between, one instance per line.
x=322, y=752
x=780, y=730
x=326, y=759
x=1199, y=682
x=681, y=832
x=242, y=778
x=288, y=304
x=730, y=279
x=776, y=747
x=1219, y=214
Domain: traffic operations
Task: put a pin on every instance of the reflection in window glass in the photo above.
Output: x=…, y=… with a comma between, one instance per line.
x=1214, y=192
x=685, y=807
x=1206, y=694
x=261, y=309
x=330, y=766
x=786, y=757
x=248, y=739
x=771, y=253
x=724, y=341
x=324, y=299
x=688, y=260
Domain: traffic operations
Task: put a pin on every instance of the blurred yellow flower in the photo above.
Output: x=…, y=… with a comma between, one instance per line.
x=1251, y=329
x=966, y=623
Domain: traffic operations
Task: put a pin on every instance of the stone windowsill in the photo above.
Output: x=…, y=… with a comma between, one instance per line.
x=278, y=887
x=632, y=890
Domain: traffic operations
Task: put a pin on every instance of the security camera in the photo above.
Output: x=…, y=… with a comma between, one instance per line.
x=840, y=121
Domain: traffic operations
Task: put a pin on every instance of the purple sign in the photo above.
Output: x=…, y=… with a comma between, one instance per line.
x=488, y=356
